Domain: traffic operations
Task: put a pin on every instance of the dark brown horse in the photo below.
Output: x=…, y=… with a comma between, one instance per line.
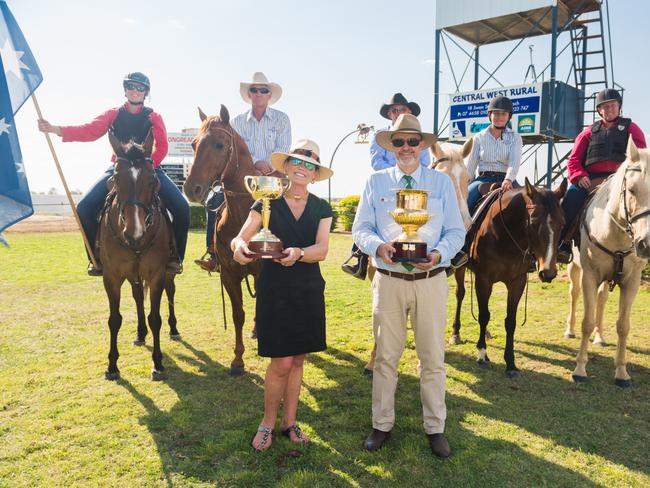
x=134, y=243
x=520, y=223
x=221, y=157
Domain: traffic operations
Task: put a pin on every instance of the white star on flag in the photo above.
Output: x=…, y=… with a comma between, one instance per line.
x=11, y=59
x=4, y=127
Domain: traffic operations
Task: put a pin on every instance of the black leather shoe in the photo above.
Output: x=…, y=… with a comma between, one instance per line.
x=564, y=254
x=376, y=440
x=358, y=270
x=174, y=266
x=439, y=445
x=95, y=271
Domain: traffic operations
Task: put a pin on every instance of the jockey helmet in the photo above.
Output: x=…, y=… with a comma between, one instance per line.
x=137, y=77
x=607, y=95
x=500, y=103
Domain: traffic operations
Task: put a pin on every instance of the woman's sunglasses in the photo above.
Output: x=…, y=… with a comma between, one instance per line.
x=412, y=142
x=297, y=162
x=263, y=91
x=135, y=86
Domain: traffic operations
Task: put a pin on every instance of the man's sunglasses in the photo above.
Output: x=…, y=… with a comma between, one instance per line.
x=263, y=91
x=297, y=162
x=412, y=142
x=135, y=86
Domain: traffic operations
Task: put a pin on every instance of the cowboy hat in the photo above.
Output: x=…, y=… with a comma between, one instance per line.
x=260, y=79
x=399, y=99
x=404, y=123
x=305, y=150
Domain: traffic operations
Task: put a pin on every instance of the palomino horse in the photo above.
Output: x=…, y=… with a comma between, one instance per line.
x=519, y=223
x=134, y=245
x=449, y=160
x=222, y=157
x=615, y=247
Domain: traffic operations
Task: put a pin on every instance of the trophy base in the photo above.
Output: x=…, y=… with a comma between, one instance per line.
x=266, y=249
x=410, y=252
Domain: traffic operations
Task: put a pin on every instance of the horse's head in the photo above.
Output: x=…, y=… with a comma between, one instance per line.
x=450, y=160
x=216, y=146
x=634, y=206
x=545, y=221
x=135, y=184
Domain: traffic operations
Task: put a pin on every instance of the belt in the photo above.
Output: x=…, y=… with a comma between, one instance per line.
x=490, y=174
x=411, y=276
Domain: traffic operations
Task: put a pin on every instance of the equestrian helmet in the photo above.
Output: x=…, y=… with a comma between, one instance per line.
x=500, y=103
x=608, y=95
x=137, y=77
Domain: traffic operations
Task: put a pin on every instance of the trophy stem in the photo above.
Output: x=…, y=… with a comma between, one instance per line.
x=266, y=213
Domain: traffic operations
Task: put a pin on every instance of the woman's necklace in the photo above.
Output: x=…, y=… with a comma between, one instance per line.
x=298, y=197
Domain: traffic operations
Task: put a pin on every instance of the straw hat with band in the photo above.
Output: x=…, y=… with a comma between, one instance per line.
x=260, y=79
x=399, y=99
x=405, y=123
x=305, y=150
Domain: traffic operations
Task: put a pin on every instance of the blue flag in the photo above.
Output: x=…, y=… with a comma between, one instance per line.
x=19, y=77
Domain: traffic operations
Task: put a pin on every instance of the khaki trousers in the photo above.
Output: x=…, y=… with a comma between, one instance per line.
x=425, y=301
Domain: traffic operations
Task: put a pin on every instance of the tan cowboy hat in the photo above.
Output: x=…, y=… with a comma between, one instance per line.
x=260, y=79
x=404, y=123
x=305, y=150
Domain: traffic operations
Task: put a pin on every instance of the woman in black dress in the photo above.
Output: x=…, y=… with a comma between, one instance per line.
x=290, y=308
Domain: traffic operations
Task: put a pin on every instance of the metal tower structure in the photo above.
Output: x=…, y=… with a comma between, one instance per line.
x=580, y=64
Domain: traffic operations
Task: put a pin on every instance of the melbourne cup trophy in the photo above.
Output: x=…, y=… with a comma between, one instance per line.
x=410, y=214
x=264, y=244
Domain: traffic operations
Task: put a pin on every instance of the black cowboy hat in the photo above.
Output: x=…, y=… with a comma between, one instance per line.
x=399, y=99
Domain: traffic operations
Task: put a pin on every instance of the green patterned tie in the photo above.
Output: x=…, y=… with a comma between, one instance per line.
x=409, y=185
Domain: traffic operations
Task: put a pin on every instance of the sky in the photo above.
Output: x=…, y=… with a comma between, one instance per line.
x=337, y=62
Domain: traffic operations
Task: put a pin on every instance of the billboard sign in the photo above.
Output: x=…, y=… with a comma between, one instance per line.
x=180, y=143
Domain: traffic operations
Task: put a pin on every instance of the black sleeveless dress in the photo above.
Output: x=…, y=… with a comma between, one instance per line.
x=290, y=307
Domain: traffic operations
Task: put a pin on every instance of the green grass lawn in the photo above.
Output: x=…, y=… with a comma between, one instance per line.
x=62, y=424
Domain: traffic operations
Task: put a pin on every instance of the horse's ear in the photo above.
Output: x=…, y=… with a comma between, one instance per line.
x=467, y=147
x=436, y=150
x=225, y=116
x=148, y=144
x=201, y=114
x=530, y=189
x=560, y=191
x=632, y=151
x=117, y=146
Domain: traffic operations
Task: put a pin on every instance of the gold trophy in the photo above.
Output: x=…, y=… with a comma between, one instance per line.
x=410, y=214
x=264, y=244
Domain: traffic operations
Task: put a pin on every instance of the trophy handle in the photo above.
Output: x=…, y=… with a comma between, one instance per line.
x=247, y=183
x=285, y=183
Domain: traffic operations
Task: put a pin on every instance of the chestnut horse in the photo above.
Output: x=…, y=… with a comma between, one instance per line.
x=519, y=223
x=134, y=245
x=221, y=157
x=614, y=248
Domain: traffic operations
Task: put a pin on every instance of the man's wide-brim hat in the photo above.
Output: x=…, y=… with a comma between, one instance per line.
x=399, y=99
x=405, y=123
x=305, y=150
x=260, y=79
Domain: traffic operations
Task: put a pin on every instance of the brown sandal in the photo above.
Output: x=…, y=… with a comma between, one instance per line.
x=302, y=439
x=268, y=433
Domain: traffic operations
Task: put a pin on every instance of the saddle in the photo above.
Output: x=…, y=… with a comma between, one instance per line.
x=573, y=231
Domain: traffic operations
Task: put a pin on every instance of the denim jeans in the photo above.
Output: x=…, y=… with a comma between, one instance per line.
x=473, y=195
x=92, y=202
x=571, y=204
x=211, y=216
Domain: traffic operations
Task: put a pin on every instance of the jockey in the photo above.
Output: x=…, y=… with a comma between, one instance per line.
x=597, y=153
x=131, y=121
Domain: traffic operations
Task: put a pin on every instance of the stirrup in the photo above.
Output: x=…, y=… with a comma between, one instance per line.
x=564, y=253
x=94, y=271
x=208, y=262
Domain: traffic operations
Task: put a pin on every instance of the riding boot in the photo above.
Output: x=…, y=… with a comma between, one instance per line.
x=95, y=270
x=208, y=262
x=174, y=265
x=358, y=270
x=564, y=252
x=532, y=264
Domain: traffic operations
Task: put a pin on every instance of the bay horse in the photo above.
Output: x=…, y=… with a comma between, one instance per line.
x=519, y=223
x=614, y=248
x=134, y=245
x=450, y=160
x=221, y=157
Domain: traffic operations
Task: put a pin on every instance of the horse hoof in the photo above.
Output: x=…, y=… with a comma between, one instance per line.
x=367, y=372
x=513, y=373
x=138, y=342
x=158, y=375
x=454, y=339
x=579, y=379
x=569, y=335
x=622, y=383
x=112, y=376
x=175, y=337
x=483, y=363
x=236, y=371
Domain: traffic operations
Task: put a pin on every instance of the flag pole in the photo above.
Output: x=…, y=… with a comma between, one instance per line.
x=91, y=254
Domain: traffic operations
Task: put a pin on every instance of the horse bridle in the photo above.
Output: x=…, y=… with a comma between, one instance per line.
x=629, y=220
x=530, y=208
x=232, y=152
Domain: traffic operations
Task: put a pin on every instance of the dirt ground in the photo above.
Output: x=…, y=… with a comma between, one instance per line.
x=45, y=223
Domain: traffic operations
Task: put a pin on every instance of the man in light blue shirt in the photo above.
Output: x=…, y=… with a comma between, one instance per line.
x=381, y=158
x=265, y=131
x=400, y=290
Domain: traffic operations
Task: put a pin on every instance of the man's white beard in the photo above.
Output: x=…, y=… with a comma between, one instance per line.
x=407, y=160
